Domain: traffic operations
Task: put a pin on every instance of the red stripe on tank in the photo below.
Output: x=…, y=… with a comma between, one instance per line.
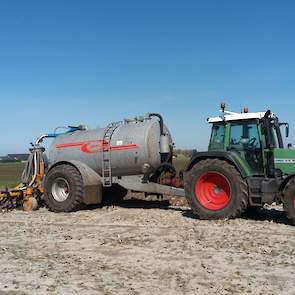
x=95, y=146
x=67, y=145
x=124, y=147
x=79, y=143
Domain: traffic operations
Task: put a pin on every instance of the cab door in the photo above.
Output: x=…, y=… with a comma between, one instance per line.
x=244, y=140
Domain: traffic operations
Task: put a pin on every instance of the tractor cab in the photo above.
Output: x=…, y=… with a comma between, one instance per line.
x=255, y=140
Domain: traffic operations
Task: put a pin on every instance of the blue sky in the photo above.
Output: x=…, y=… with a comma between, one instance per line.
x=92, y=62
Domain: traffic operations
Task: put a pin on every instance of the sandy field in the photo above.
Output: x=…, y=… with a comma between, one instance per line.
x=145, y=247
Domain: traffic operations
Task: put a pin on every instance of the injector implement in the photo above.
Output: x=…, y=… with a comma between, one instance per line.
x=28, y=192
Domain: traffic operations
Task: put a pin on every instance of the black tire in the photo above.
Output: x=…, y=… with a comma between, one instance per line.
x=233, y=188
x=289, y=200
x=71, y=178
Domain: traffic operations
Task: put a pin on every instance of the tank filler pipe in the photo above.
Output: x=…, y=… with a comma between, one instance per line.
x=165, y=149
x=161, y=121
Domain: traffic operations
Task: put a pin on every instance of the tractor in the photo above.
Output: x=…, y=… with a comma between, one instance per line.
x=245, y=167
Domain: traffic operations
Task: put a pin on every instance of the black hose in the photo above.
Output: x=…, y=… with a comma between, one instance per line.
x=165, y=167
x=161, y=121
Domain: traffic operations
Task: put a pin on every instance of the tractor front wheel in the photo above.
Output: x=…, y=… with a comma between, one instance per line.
x=289, y=200
x=215, y=190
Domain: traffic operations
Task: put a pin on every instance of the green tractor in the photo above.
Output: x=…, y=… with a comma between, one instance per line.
x=245, y=167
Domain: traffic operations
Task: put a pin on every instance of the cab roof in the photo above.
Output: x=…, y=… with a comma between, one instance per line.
x=231, y=116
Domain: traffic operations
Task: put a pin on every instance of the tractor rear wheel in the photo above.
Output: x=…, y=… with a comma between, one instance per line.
x=215, y=190
x=64, y=189
x=289, y=200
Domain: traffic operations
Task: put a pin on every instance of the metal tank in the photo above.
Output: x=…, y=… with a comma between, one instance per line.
x=129, y=147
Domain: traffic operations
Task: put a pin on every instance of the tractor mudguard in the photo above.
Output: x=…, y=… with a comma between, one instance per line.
x=91, y=180
x=227, y=156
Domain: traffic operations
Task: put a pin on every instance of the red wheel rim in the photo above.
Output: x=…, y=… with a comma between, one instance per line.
x=213, y=191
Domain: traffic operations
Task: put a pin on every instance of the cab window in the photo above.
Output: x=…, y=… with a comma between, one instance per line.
x=217, y=136
x=244, y=136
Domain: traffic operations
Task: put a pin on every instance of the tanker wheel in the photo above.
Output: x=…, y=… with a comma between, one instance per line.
x=289, y=200
x=63, y=189
x=215, y=190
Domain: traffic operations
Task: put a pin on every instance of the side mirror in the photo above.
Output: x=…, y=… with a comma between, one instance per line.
x=287, y=130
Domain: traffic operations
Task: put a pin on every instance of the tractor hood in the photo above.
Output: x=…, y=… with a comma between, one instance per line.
x=285, y=160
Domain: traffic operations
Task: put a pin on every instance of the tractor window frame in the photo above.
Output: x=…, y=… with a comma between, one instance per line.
x=272, y=132
x=274, y=137
x=278, y=133
x=217, y=141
